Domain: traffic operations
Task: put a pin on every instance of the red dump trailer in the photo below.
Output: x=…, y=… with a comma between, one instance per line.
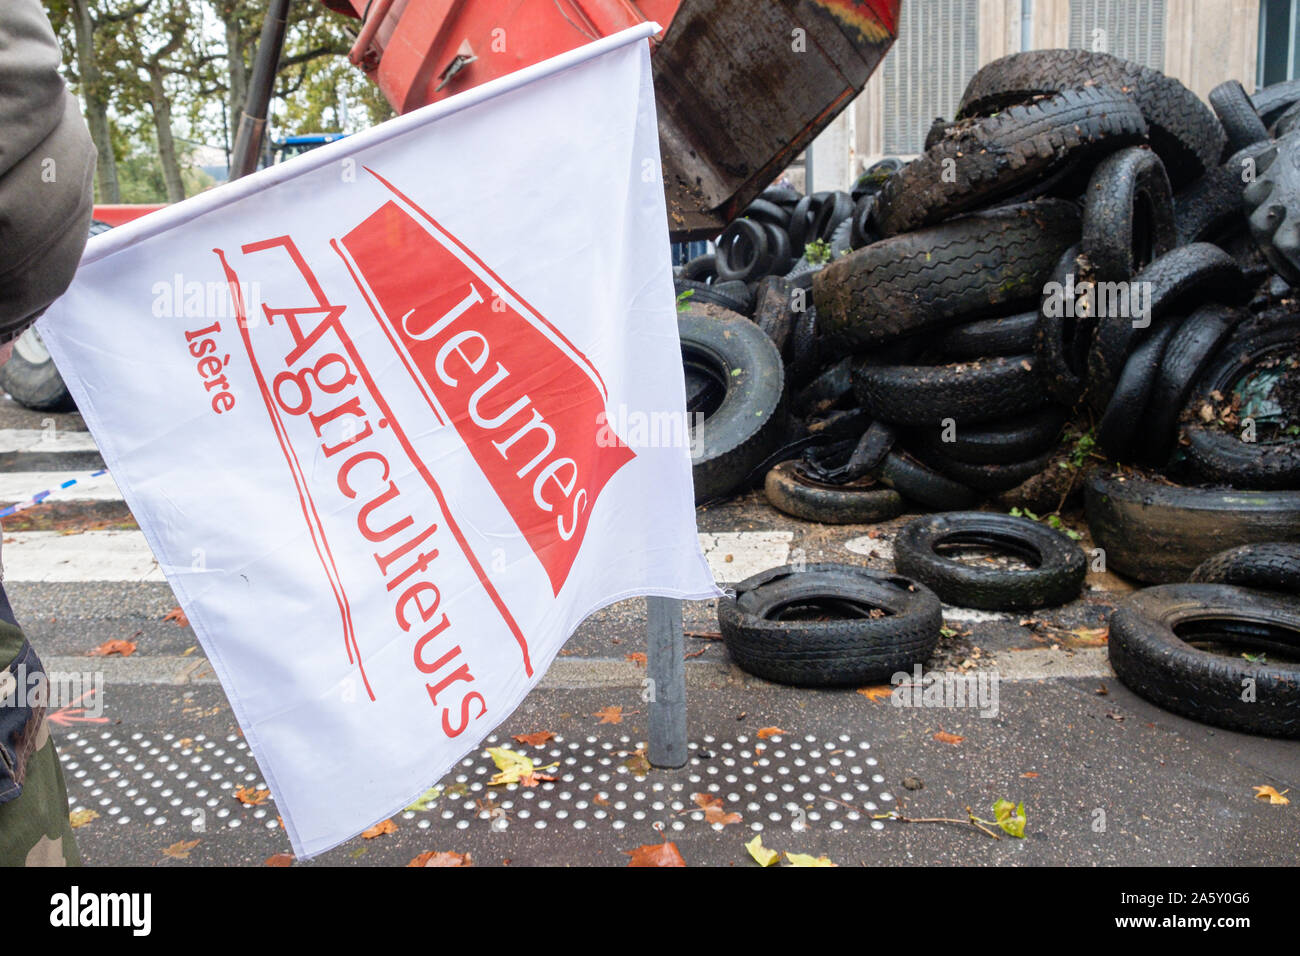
x=742, y=85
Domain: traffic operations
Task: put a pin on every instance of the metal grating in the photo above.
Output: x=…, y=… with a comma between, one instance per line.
x=1132, y=29
x=787, y=781
x=936, y=53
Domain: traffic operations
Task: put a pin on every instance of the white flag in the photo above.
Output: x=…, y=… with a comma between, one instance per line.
x=373, y=410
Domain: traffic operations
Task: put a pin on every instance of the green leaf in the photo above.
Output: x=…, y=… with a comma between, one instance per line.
x=426, y=801
x=1010, y=817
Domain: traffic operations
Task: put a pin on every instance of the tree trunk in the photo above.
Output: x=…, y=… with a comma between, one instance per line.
x=237, y=72
x=96, y=98
x=162, y=121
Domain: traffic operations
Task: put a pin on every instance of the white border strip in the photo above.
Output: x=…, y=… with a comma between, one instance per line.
x=146, y=227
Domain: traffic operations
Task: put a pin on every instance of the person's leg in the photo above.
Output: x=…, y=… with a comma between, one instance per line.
x=34, y=825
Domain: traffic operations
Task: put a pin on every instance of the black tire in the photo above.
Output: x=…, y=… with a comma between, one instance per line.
x=1120, y=428
x=744, y=251
x=1056, y=577
x=1063, y=336
x=852, y=649
x=923, y=485
x=831, y=209
x=781, y=195
x=773, y=309
x=790, y=490
x=985, y=159
x=762, y=210
x=1196, y=271
x=1183, y=130
x=1268, y=566
x=1012, y=439
x=863, y=232
x=986, y=338
x=1288, y=122
x=1274, y=100
x=969, y=392
x=1237, y=115
x=31, y=378
x=701, y=269
x=1212, y=208
x=989, y=478
x=801, y=217
x=803, y=355
x=1149, y=650
x=746, y=424
x=1223, y=458
x=782, y=253
x=733, y=296
x=1181, y=366
x=969, y=267
x=1128, y=214
x=842, y=239
x=1158, y=532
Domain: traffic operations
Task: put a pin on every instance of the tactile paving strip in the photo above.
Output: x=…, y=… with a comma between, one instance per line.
x=785, y=780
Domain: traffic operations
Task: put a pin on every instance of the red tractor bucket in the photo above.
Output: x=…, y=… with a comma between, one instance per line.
x=742, y=87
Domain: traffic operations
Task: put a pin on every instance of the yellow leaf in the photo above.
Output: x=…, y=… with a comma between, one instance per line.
x=1271, y=795
x=803, y=859
x=514, y=767
x=79, y=818
x=767, y=732
x=761, y=854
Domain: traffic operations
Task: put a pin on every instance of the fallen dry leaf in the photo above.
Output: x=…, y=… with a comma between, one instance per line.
x=1090, y=636
x=600, y=800
x=711, y=804
x=877, y=693
x=638, y=763
x=447, y=858
x=181, y=849
x=610, y=715
x=636, y=658
x=280, y=859
x=177, y=615
x=117, y=646
x=379, y=829
x=535, y=740
x=946, y=738
x=251, y=797
x=767, y=732
x=1271, y=795
x=1029, y=774
x=79, y=818
x=656, y=854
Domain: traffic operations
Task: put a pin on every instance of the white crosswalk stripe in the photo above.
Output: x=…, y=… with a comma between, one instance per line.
x=21, y=485
x=44, y=440
x=51, y=556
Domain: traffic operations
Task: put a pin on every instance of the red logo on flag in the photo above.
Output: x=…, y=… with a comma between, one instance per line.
x=528, y=405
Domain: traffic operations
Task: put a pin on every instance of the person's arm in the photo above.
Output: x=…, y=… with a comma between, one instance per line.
x=47, y=169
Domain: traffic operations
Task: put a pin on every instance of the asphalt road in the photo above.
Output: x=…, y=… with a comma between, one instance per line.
x=1105, y=778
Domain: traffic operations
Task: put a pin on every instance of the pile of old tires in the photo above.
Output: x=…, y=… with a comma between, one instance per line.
x=1085, y=286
